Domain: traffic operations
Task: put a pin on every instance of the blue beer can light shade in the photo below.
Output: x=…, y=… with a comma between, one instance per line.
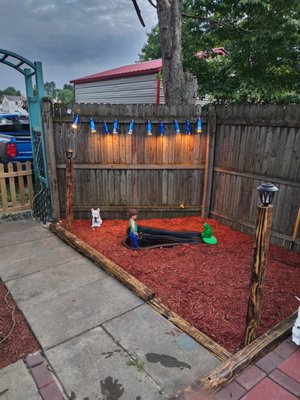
x=149, y=128
x=198, y=125
x=105, y=127
x=187, y=127
x=161, y=128
x=176, y=126
x=131, y=127
x=92, y=125
x=75, y=122
x=116, y=127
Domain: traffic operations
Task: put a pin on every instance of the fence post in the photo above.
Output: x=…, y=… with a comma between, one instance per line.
x=51, y=158
x=209, y=160
x=69, y=190
x=258, y=270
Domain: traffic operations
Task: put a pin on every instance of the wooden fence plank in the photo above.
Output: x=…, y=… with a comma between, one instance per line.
x=21, y=185
x=12, y=186
x=3, y=188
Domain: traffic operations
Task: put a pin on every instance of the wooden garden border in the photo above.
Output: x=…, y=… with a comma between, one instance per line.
x=231, y=365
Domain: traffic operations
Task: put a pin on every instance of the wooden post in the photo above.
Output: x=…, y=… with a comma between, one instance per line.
x=260, y=253
x=69, y=190
x=209, y=161
x=51, y=158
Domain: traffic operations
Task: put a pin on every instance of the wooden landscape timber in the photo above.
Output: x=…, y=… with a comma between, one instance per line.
x=226, y=371
x=213, y=347
x=110, y=267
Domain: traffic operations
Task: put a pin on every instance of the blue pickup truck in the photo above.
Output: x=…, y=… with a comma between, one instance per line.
x=15, y=140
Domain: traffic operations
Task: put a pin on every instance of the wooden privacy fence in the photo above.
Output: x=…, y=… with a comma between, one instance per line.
x=16, y=190
x=215, y=172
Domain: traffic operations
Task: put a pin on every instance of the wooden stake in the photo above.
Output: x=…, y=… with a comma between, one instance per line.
x=69, y=190
x=296, y=227
x=260, y=253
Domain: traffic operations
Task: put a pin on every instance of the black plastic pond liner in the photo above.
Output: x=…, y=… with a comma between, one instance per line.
x=150, y=238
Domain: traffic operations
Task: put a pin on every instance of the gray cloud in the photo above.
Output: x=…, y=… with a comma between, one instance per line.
x=72, y=38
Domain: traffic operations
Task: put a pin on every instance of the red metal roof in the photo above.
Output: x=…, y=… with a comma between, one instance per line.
x=144, y=68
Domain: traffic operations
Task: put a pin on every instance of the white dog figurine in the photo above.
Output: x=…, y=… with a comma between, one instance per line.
x=96, y=219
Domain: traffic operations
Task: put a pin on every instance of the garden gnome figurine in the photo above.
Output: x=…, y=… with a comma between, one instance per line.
x=96, y=219
x=296, y=328
x=207, y=235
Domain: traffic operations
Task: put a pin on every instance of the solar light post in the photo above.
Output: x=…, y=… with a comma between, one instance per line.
x=260, y=254
x=69, y=189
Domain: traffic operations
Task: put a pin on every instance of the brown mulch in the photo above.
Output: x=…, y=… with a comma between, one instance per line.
x=21, y=341
x=207, y=285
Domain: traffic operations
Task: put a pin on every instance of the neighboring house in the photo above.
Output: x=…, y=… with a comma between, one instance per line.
x=12, y=104
x=130, y=84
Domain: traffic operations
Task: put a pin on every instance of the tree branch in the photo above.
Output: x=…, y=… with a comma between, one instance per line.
x=152, y=3
x=138, y=12
x=214, y=21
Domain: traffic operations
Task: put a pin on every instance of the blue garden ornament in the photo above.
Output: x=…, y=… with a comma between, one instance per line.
x=92, y=125
x=149, y=128
x=105, y=127
x=75, y=122
x=198, y=125
x=187, y=127
x=131, y=127
x=176, y=126
x=161, y=128
x=116, y=127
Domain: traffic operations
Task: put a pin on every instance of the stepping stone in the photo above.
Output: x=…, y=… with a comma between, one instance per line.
x=93, y=366
x=171, y=357
x=16, y=383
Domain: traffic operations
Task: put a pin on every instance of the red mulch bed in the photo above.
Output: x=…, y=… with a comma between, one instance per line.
x=207, y=285
x=21, y=341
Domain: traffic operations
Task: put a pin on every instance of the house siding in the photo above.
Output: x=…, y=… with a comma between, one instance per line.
x=130, y=90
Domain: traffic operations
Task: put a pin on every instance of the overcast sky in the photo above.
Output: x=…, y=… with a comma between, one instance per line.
x=72, y=38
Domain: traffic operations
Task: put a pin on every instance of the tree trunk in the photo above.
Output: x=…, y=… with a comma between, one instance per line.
x=179, y=87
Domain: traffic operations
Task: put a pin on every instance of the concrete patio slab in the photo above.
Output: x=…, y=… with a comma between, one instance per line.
x=52, y=281
x=171, y=357
x=16, y=232
x=16, y=383
x=78, y=310
x=29, y=257
x=92, y=366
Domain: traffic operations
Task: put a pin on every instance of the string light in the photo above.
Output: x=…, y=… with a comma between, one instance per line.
x=149, y=128
x=161, y=128
x=176, y=126
x=187, y=127
x=105, y=127
x=75, y=122
x=131, y=127
x=199, y=125
x=92, y=125
x=116, y=127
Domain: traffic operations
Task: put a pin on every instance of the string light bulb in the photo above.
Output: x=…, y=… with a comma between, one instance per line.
x=187, y=127
x=161, y=128
x=176, y=126
x=105, y=127
x=131, y=127
x=198, y=125
x=149, y=128
x=116, y=127
x=92, y=125
x=75, y=122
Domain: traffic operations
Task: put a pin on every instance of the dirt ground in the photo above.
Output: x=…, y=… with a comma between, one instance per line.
x=207, y=285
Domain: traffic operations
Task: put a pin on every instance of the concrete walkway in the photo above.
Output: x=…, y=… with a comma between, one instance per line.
x=100, y=340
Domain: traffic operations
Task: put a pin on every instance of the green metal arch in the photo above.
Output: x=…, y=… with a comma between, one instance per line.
x=20, y=61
